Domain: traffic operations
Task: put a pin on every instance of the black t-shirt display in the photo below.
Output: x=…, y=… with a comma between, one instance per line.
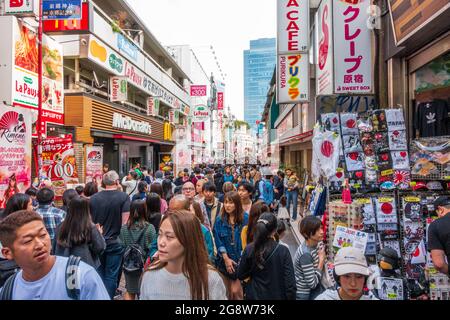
x=107, y=208
x=439, y=235
x=432, y=118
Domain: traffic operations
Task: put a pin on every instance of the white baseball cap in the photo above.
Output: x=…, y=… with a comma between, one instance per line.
x=350, y=260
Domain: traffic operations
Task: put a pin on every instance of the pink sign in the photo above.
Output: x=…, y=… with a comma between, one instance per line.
x=198, y=90
x=219, y=100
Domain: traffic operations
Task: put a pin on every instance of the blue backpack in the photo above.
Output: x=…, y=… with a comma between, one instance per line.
x=267, y=192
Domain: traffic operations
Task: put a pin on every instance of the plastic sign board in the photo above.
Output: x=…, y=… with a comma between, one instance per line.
x=324, y=49
x=352, y=48
x=293, y=25
x=200, y=113
x=293, y=78
x=198, y=90
x=21, y=7
x=61, y=9
x=118, y=88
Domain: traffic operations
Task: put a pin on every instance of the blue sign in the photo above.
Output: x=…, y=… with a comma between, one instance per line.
x=127, y=47
x=61, y=9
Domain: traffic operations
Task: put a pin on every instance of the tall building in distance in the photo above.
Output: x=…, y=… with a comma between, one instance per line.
x=259, y=63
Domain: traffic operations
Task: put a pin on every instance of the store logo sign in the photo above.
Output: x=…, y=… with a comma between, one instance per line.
x=124, y=122
x=116, y=63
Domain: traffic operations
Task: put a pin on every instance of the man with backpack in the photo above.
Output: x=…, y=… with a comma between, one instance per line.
x=43, y=276
x=266, y=188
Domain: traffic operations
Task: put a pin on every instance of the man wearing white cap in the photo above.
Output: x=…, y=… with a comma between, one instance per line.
x=351, y=272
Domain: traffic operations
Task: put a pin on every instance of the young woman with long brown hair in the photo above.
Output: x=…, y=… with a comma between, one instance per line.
x=182, y=271
x=258, y=208
x=227, y=235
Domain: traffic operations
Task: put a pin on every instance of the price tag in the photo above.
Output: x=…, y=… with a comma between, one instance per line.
x=387, y=172
x=384, y=200
x=363, y=201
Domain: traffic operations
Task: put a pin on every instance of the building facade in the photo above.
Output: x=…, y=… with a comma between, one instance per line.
x=259, y=62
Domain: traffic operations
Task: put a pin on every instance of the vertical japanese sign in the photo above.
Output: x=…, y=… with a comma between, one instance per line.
x=353, y=47
x=219, y=100
x=15, y=152
x=119, y=88
x=324, y=49
x=293, y=78
x=152, y=106
x=293, y=25
x=59, y=163
x=94, y=164
x=293, y=45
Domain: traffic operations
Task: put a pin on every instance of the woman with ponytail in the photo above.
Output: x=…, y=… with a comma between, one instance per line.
x=137, y=231
x=268, y=264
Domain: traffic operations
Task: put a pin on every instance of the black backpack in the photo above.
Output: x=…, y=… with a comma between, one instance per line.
x=134, y=256
x=7, y=269
x=72, y=286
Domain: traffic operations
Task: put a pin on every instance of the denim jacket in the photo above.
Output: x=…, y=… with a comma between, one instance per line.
x=224, y=238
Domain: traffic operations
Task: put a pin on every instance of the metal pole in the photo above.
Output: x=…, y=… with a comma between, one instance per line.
x=39, y=121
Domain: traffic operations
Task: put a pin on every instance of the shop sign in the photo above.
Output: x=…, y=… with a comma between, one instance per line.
x=127, y=47
x=352, y=48
x=198, y=90
x=15, y=151
x=219, y=100
x=293, y=25
x=126, y=123
x=94, y=164
x=150, y=86
x=293, y=78
x=58, y=163
x=19, y=77
x=118, y=88
x=172, y=116
x=70, y=25
x=200, y=113
x=61, y=9
x=324, y=49
x=21, y=7
x=410, y=16
x=106, y=57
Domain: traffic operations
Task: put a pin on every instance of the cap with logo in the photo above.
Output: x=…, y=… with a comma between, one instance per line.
x=442, y=202
x=350, y=260
x=420, y=185
x=434, y=185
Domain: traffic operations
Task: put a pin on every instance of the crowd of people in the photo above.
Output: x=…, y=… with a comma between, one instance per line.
x=213, y=233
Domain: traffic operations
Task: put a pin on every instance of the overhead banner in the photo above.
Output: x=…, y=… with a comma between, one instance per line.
x=293, y=78
x=198, y=90
x=324, y=49
x=94, y=164
x=293, y=25
x=58, y=163
x=352, y=48
x=15, y=152
x=119, y=88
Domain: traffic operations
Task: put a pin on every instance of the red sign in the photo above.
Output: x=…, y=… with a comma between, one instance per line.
x=69, y=25
x=219, y=100
x=58, y=163
x=198, y=90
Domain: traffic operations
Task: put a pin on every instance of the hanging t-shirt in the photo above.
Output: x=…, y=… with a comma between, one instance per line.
x=397, y=140
x=351, y=143
x=395, y=119
x=400, y=160
x=431, y=118
x=349, y=123
x=330, y=121
x=386, y=210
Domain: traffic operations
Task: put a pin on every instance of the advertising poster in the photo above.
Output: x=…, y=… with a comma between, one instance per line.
x=292, y=25
x=118, y=88
x=15, y=152
x=94, y=164
x=58, y=163
x=293, y=78
x=165, y=162
x=346, y=237
x=324, y=49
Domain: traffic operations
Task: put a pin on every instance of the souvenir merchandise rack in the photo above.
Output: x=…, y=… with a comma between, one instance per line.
x=379, y=164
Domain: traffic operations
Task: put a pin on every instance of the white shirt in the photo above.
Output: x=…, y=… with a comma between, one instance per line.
x=53, y=285
x=163, y=285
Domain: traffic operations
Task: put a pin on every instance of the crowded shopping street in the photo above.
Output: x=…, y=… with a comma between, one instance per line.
x=261, y=150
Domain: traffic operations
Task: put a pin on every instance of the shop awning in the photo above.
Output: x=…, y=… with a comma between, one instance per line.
x=299, y=138
x=124, y=137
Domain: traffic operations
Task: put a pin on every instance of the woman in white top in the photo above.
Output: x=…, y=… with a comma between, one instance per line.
x=182, y=271
x=130, y=183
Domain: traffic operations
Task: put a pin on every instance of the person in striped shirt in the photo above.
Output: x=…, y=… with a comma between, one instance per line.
x=309, y=259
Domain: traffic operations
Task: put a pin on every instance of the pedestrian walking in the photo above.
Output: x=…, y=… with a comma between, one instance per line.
x=43, y=276
x=245, y=190
x=142, y=191
x=130, y=183
x=212, y=204
x=52, y=216
x=153, y=202
x=182, y=271
x=90, y=189
x=157, y=188
x=110, y=209
x=248, y=231
x=227, y=235
x=439, y=236
x=268, y=264
x=77, y=235
x=17, y=202
x=197, y=211
x=291, y=186
x=136, y=237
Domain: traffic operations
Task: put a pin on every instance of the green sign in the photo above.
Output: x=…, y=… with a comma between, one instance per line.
x=115, y=63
